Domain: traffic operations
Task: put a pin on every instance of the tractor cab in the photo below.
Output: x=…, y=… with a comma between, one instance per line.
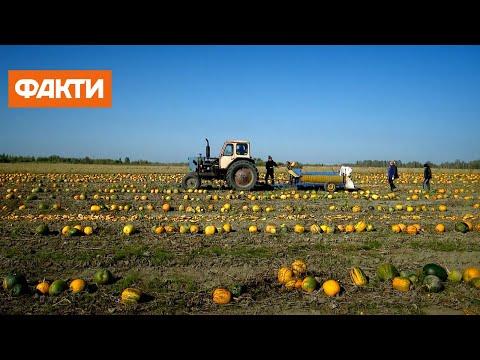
x=232, y=150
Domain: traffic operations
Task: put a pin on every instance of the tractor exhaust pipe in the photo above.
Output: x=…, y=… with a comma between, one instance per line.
x=207, y=150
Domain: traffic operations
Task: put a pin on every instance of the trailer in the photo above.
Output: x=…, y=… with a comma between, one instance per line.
x=328, y=180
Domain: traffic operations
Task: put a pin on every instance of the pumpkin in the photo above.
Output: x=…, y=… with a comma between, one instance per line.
x=236, y=289
x=440, y=228
x=298, y=283
x=77, y=285
x=42, y=230
x=360, y=226
x=290, y=284
x=331, y=287
x=315, y=229
x=221, y=296
x=349, y=228
x=401, y=283
x=57, y=287
x=412, y=229
x=470, y=273
x=299, y=229
x=42, y=287
x=131, y=295
x=299, y=267
x=432, y=283
x=74, y=232
x=309, y=284
x=20, y=289
x=386, y=272
x=461, y=227
x=10, y=280
x=285, y=274
x=455, y=275
x=396, y=228
x=210, y=230
x=434, y=269
x=358, y=276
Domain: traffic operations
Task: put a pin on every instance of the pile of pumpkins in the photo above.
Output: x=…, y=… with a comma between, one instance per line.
x=431, y=278
x=17, y=284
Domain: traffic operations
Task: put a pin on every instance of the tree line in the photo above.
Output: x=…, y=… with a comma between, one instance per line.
x=457, y=164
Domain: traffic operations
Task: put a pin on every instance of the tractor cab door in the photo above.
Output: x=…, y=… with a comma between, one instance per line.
x=227, y=155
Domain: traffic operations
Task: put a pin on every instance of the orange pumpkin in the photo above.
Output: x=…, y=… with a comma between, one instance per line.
x=349, y=228
x=401, y=283
x=471, y=273
x=412, y=229
x=221, y=296
x=331, y=287
x=42, y=287
x=440, y=228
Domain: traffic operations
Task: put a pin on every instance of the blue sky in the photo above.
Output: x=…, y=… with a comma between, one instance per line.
x=329, y=104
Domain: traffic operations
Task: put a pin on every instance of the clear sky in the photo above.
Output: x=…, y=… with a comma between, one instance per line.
x=329, y=104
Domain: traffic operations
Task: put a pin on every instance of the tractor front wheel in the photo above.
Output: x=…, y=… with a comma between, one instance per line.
x=191, y=181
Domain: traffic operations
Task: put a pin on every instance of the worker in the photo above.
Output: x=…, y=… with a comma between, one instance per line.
x=392, y=175
x=269, y=165
x=427, y=175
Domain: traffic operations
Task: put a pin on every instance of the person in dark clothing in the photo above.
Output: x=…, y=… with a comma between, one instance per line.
x=270, y=164
x=427, y=175
x=392, y=175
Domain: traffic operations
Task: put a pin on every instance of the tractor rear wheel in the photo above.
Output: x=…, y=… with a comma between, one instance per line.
x=191, y=181
x=242, y=175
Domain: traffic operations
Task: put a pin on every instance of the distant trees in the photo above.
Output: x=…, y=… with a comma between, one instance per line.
x=457, y=164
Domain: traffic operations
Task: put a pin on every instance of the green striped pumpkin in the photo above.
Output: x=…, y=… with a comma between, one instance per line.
x=131, y=295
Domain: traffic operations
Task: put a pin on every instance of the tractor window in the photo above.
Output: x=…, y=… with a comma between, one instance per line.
x=242, y=149
x=228, y=150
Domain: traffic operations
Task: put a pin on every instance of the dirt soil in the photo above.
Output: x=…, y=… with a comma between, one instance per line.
x=177, y=272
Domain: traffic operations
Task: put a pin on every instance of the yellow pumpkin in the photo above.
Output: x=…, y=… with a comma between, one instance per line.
x=331, y=287
x=210, y=230
x=88, y=230
x=396, y=228
x=221, y=296
x=440, y=228
x=401, y=283
x=299, y=267
x=131, y=295
x=299, y=229
x=42, y=287
x=77, y=285
x=284, y=274
x=358, y=276
x=360, y=226
x=290, y=285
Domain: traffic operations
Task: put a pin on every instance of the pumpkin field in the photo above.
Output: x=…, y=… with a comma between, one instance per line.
x=129, y=240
